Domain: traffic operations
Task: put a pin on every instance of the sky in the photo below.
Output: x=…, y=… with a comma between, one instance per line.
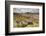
x=23, y=10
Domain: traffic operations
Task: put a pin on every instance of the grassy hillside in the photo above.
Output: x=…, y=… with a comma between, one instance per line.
x=26, y=20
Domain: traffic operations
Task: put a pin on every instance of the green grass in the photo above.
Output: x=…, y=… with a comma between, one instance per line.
x=26, y=25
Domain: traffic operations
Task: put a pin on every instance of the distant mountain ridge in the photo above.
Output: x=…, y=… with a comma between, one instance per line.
x=26, y=13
